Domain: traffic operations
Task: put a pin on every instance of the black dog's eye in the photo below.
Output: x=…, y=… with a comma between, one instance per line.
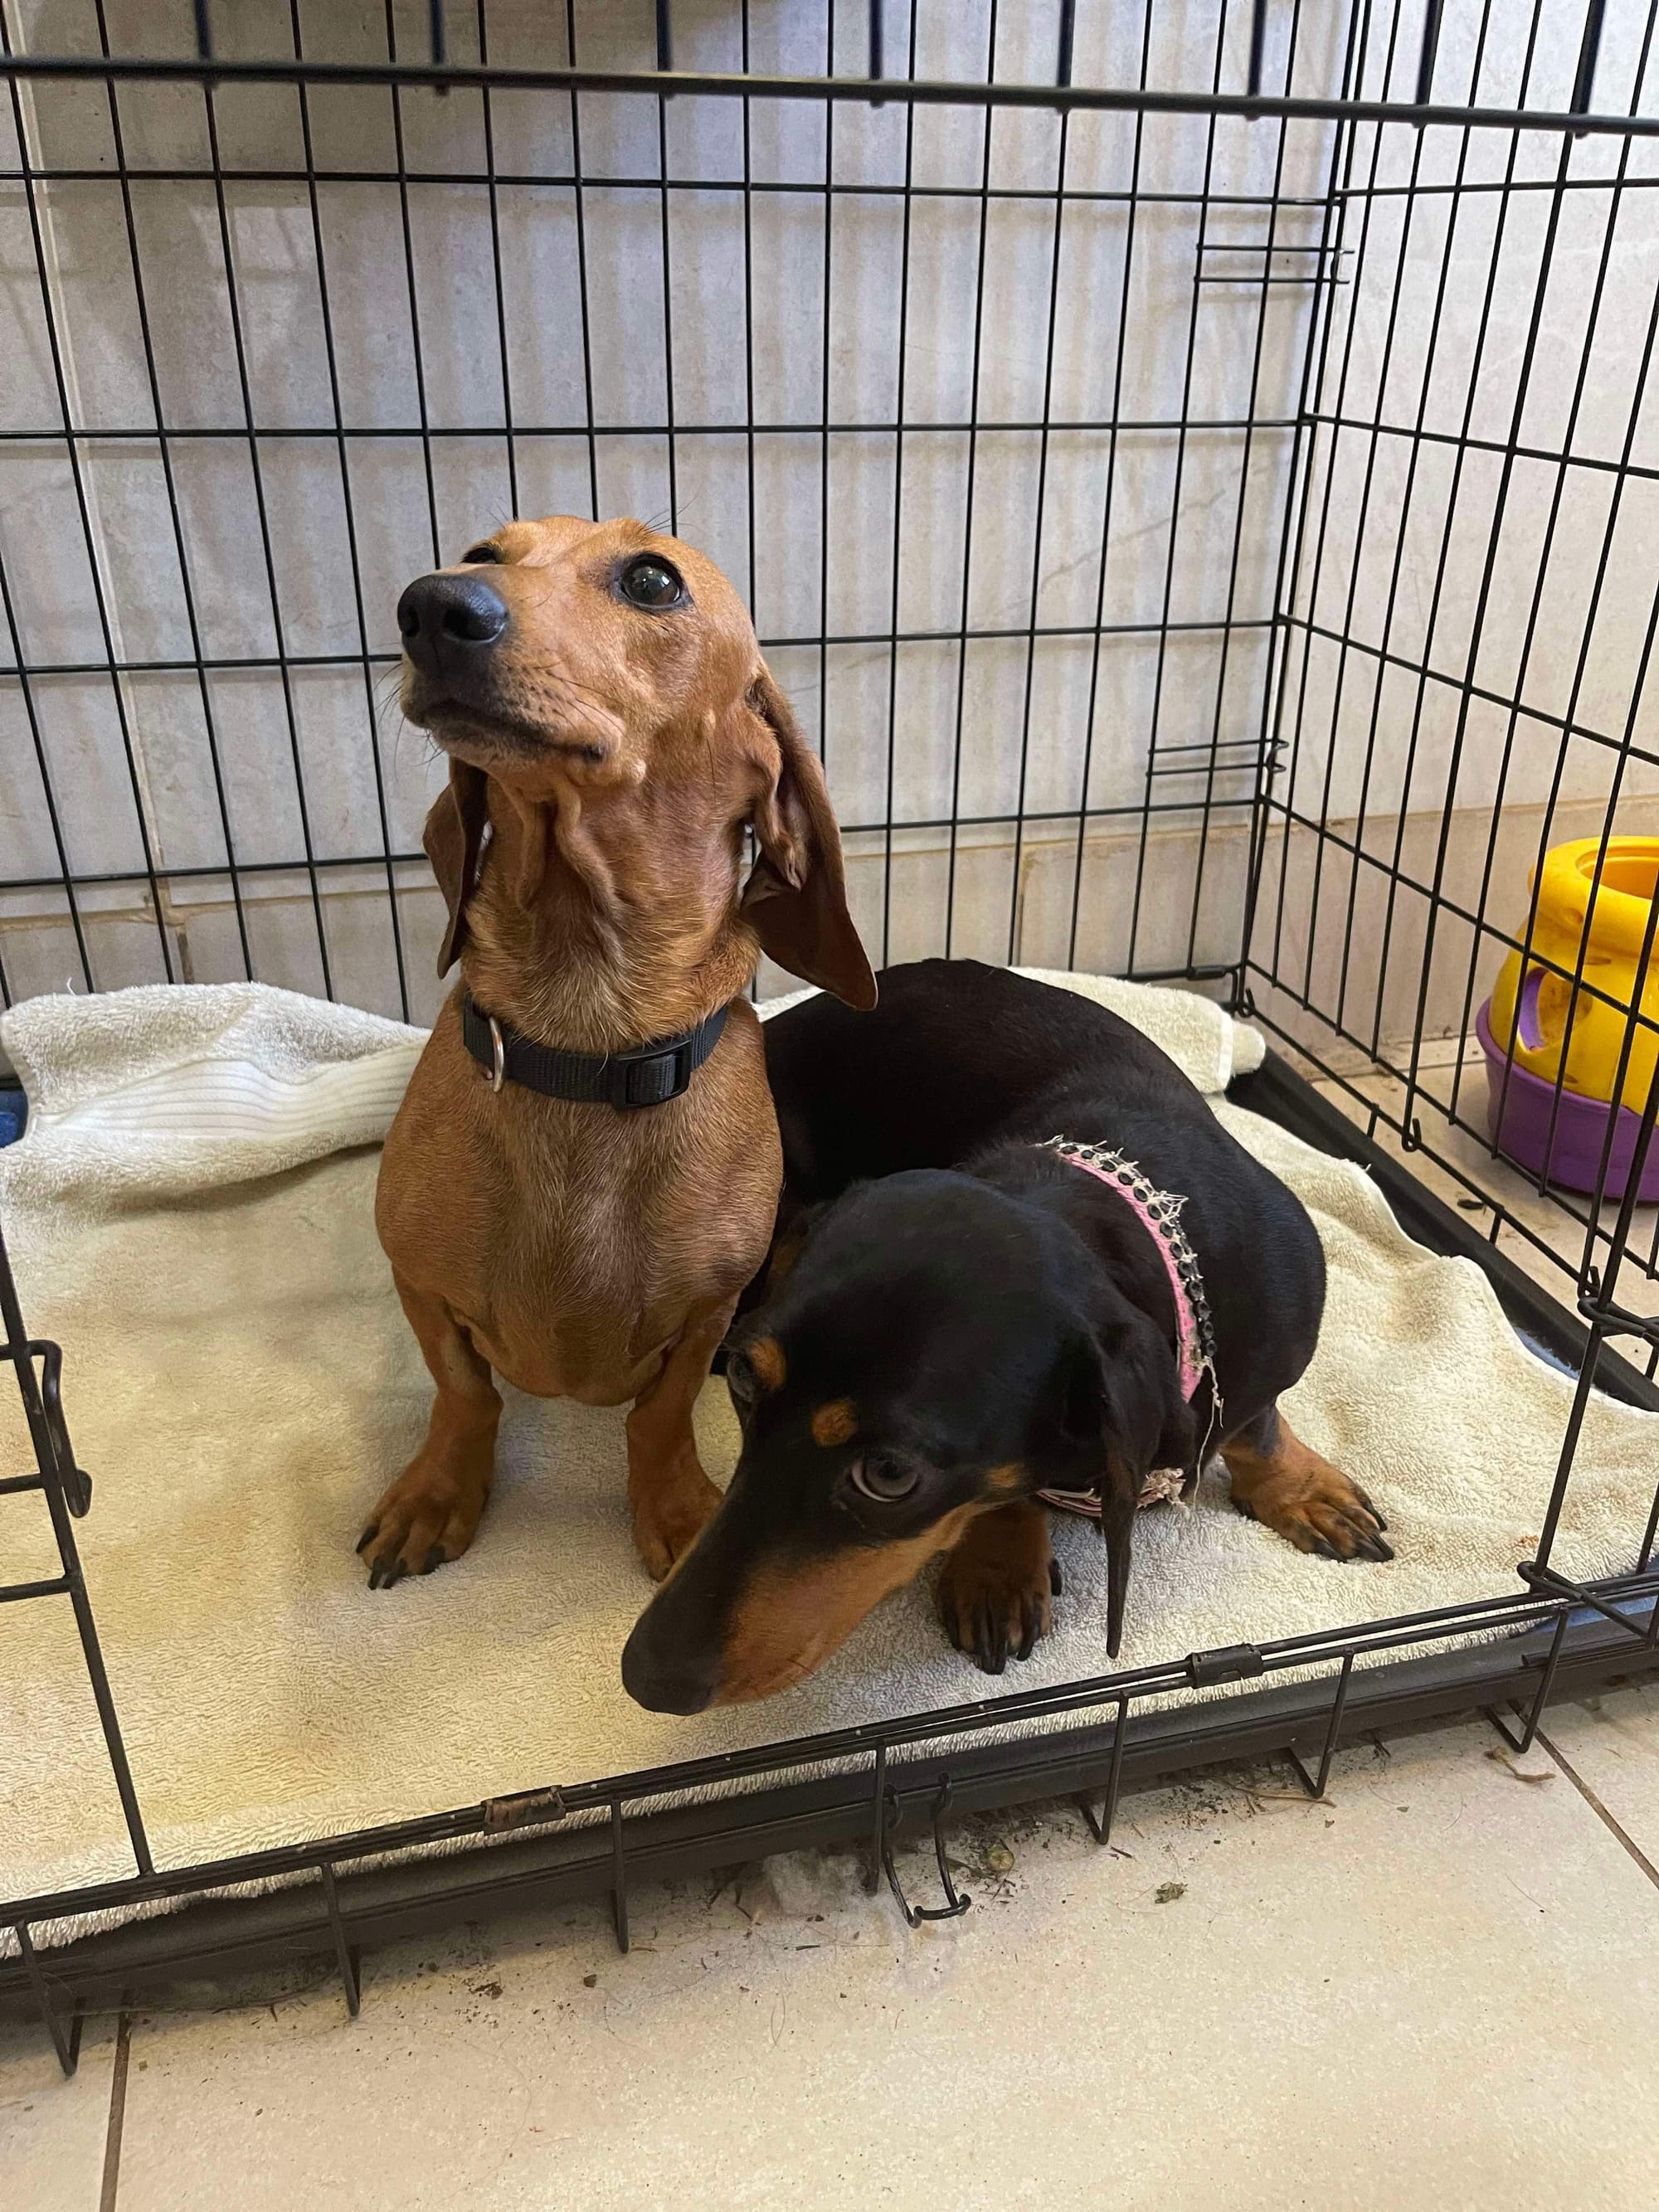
x=479, y=556
x=739, y=1380
x=651, y=583
x=881, y=1480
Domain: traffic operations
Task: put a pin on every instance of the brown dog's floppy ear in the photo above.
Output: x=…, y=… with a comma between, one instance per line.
x=795, y=899
x=1124, y=1392
x=454, y=838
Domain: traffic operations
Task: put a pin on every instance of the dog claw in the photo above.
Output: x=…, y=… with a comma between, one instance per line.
x=367, y=1536
x=1054, y=1578
x=435, y=1557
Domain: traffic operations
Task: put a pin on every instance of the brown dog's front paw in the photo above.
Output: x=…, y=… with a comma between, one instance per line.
x=422, y=1521
x=996, y=1592
x=1319, y=1509
x=669, y=1521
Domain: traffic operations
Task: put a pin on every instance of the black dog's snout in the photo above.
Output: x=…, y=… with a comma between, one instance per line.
x=461, y=609
x=660, y=1683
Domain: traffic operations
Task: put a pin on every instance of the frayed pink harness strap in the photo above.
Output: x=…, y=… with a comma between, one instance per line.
x=1159, y=1213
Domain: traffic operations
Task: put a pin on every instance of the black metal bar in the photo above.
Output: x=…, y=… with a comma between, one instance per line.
x=875, y=427
x=1431, y=13
x=371, y=704
x=1269, y=247
x=496, y=263
x=668, y=316
x=1100, y=1824
x=1258, y=46
x=1480, y=1617
x=344, y=1957
x=1068, y=42
x=1016, y=885
x=898, y=497
x=1086, y=766
x=50, y=1586
x=239, y=347
x=204, y=31
x=774, y=644
x=1189, y=361
x=1298, y=489
x=715, y=85
x=749, y=328
x=65, y=2042
x=428, y=1889
x=53, y=1456
x=620, y=180
x=879, y=1818
x=1583, y=84
x=665, y=36
x=1524, y=1742
x=581, y=261
x=437, y=35
x=1563, y=1586
x=954, y=1905
x=619, y=1877
x=877, y=45
x=824, y=397
x=1314, y=1786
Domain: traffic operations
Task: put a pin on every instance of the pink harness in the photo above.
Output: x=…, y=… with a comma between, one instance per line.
x=1158, y=1212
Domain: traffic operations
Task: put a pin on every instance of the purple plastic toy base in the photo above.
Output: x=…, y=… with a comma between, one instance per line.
x=1581, y=1126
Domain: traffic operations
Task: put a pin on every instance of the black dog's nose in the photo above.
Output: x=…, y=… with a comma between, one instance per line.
x=662, y=1685
x=436, y=609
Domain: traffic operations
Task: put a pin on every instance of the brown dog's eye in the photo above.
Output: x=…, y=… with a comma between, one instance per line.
x=478, y=556
x=651, y=584
x=880, y=1480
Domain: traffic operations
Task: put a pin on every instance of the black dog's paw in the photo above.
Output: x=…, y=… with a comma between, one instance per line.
x=1319, y=1509
x=996, y=1594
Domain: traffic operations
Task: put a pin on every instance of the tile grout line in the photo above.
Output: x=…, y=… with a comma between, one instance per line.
x=1601, y=1810
x=118, y=2108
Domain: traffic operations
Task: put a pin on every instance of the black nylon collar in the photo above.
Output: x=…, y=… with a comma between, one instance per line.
x=644, y=1075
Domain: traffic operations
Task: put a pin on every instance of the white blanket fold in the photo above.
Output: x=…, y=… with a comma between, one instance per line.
x=172, y=1088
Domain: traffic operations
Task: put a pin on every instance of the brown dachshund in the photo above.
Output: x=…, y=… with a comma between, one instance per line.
x=584, y=1172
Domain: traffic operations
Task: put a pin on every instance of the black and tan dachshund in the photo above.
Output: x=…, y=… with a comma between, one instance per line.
x=961, y=1316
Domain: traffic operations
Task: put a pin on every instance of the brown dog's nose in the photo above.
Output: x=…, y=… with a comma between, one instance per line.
x=440, y=610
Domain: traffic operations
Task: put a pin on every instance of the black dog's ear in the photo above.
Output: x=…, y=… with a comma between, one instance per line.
x=1123, y=1402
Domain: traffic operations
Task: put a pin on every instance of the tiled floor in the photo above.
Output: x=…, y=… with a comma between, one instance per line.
x=1431, y=1990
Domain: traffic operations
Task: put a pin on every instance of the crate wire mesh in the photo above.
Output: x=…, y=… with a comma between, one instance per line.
x=1188, y=466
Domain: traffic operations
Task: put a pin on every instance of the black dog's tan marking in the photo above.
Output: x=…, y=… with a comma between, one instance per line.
x=789, y=1620
x=835, y=1423
x=766, y=1359
x=998, y=1323
x=1277, y=1481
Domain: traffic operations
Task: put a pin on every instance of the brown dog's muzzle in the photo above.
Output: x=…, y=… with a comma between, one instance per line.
x=447, y=621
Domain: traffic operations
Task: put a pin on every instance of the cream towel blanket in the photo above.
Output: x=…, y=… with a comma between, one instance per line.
x=240, y=1384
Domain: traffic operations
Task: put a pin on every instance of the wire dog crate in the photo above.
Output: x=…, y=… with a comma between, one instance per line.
x=1188, y=464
